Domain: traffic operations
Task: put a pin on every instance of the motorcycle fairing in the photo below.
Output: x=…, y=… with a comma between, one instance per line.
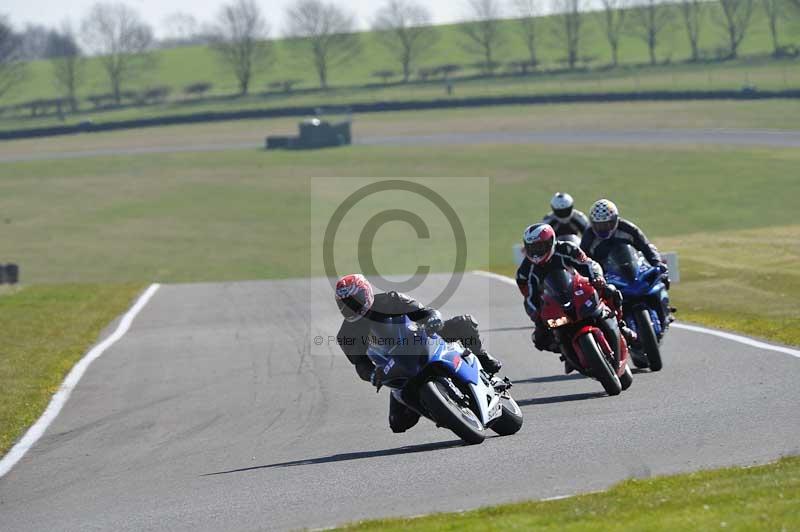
x=448, y=357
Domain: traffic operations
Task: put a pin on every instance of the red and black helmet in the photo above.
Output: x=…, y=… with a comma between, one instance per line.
x=354, y=296
x=540, y=243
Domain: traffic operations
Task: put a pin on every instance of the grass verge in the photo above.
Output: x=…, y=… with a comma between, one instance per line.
x=757, y=498
x=46, y=330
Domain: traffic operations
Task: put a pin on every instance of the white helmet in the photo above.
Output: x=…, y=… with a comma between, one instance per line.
x=562, y=204
x=604, y=217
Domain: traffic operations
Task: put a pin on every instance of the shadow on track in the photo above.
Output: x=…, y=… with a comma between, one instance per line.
x=349, y=456
x=560, y=398
x=507, y=329
x=551, y=378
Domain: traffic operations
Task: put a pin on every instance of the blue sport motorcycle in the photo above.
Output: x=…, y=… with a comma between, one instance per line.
x=441, y=381
x=645, y=302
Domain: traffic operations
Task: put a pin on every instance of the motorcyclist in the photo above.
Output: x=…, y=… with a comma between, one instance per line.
x=361, y=307
x=544, y=254
x=607, y=230
x=564, y=218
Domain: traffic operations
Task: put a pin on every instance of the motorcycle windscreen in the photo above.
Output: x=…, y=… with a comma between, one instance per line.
x=558, y=288
x=397, y=347
x=623, y=261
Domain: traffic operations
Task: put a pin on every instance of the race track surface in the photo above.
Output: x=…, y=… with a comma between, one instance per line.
x=211, y=414
x=655, y=137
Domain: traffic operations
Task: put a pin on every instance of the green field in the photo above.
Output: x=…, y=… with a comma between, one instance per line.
x=757, y=498
x=182, y=66
x=212, y=216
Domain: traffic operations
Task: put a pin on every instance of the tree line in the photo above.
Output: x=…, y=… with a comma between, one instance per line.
x=327, y=35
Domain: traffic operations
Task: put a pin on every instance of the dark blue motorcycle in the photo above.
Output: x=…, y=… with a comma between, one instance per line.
x=645, y=302
x=441, y=381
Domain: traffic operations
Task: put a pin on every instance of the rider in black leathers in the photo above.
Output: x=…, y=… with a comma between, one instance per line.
x=607, y=230
x=564, y=218
x=543, y=255
x=371, y=308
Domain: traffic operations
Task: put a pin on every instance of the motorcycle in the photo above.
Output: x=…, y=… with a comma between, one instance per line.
x=586, y=330
x=645, y=299
x=442, y=381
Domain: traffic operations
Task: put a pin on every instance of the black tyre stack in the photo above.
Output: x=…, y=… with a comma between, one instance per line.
x=9, y=274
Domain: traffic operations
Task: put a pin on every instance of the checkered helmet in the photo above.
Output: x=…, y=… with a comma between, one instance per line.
x=604, y=217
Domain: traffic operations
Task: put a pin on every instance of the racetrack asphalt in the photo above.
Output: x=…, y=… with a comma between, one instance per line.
x=655, y=137
x=217, y=412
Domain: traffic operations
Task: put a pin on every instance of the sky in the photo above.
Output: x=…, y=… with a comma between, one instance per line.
x=53, y=12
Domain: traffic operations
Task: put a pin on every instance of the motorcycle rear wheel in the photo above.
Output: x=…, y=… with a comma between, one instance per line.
x=647, y=337
x=446, y=412
x=601, y=368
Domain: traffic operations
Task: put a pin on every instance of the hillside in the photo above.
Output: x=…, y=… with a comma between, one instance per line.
x=181, y=66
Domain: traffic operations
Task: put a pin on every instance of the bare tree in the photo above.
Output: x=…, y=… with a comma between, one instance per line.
x=405, y=28
x=239, y=38
x=527, y=12
x=614, y=12
x=180, y=27
x=568, y=27
x=649, y=19
x=774, y=10
x=327, y=31
x=34, y=41
x=67, y=61
x=12, y=68
x=121, y=39
x=483, y=31
x=692, y=12
x=735, y=19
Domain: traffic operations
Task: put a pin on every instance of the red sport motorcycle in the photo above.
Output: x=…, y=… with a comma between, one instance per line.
x=586, y=329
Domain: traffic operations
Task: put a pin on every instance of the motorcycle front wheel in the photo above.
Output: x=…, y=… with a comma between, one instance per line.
x=626, y=379
x=510, y=421
x=647, y=337
x=436, y=397
x=601, y=368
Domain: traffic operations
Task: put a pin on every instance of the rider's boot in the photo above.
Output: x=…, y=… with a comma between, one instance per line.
x=490, y=364
x=630, y=335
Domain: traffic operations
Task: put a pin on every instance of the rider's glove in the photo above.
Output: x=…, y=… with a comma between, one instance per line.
x=376, y=379
x=434, y=323
x=614, y=295
x=664, y=273
x=544, y=340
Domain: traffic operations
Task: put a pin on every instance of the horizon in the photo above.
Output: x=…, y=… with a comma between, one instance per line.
x=52, y=13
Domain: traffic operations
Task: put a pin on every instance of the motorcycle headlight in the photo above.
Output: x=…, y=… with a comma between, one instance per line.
x=558, y=322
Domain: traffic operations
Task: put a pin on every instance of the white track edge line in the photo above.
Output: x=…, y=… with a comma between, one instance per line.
x=73, y=377
x=693, y=328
